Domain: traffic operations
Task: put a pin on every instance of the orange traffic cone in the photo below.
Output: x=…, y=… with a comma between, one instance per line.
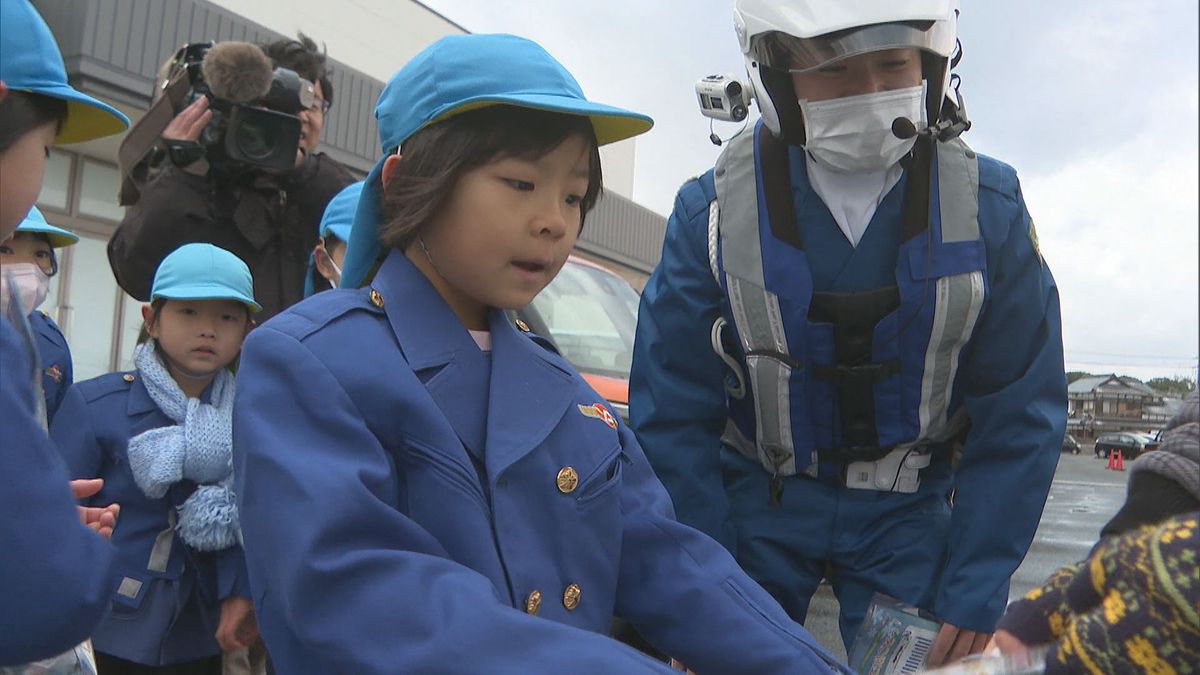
x=1120, y=463
x=1112, y=460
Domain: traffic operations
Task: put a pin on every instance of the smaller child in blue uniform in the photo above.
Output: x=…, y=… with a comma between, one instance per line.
x=160, y=437
x=333, y=233
x=30, y=261
x=425, y=488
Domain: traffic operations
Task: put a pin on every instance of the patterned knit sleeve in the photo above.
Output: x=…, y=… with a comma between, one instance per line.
x=1136, y=606
x=1041, y=616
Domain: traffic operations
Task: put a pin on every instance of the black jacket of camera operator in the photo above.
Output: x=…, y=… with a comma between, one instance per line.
x=268, y=220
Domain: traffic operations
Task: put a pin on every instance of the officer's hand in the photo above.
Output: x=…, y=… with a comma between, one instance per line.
x=102, y=520
x=187, y=125
x=953, y=643
x=237, y=628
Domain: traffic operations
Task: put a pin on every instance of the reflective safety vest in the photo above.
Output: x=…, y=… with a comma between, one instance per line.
x=843, y=377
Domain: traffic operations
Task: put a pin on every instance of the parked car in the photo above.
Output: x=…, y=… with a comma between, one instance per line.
x=590, y=314
x=1130, y=443
x=1071, y=445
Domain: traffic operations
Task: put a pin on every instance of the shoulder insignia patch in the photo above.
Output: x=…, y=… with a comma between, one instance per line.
x=598, y=411
x=1033, y=239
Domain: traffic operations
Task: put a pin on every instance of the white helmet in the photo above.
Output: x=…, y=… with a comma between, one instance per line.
x=779, y=37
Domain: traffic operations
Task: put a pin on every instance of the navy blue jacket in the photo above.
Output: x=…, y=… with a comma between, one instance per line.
x=55, y=354
x=54, y=572
x=165, y=610
x=408, y=502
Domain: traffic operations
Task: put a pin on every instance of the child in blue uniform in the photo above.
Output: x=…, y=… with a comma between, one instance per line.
x=425, y=487
x=160, y=438
x=31, y=262
x=333, y=233
x=54, y=569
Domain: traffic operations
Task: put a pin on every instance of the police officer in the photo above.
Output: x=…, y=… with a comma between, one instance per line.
x=848, y=296
x=29, y=256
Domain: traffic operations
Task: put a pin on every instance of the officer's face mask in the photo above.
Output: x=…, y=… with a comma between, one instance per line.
x=27, y=281
x=854, y=134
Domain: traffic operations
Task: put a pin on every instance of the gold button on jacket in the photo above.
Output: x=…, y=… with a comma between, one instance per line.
x=567, y=480
x=533, y=602
x=571, y=596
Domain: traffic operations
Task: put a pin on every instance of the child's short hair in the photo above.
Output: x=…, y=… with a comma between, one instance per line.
x=438, y=155
x=23, y=111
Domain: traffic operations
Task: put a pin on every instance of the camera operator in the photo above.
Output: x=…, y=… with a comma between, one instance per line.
x=268, y=218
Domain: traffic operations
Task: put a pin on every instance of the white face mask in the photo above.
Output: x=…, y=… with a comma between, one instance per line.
x=854, y=134
x=337, y=281
x=30, y=283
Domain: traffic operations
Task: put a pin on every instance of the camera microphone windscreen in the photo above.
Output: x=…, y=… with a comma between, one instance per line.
x=237, y=71
x=903, y=128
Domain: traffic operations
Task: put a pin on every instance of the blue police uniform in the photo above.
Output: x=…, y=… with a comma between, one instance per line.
x=54, y=572
x=420, y=505
x=166, y=596
x=55, y=354
x=1005, y=374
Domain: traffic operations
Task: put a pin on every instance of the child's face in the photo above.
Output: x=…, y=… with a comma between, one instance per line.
x=22, y=167
x=199, y=337
x=25, y=247
x=506, y=231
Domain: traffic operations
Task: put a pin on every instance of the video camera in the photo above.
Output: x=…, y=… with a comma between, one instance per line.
x=254, y=126
x=254, y=107
x=723, y=97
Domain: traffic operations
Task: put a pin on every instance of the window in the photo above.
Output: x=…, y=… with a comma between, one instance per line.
x=56, y=186
x=98, y=188
x=90, y=308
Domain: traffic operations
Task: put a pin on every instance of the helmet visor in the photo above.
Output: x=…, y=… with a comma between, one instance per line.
x=786, y=52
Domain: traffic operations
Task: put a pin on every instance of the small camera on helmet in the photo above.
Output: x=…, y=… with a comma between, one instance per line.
x=723, y=97
x=255, y=108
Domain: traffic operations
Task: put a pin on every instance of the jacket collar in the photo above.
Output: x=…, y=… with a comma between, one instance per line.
x=527, y=394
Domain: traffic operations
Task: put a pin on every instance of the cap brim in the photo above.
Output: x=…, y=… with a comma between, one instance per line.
x=611, y=124
x=87, y=118
x=209, y=293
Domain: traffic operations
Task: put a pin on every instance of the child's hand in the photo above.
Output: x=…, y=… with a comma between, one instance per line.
x=101, y=519
x=237, y=628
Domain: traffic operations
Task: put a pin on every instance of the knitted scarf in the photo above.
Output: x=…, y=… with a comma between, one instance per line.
x=199, y=448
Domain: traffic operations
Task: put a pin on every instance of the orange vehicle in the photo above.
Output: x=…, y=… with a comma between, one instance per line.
x=590, y=314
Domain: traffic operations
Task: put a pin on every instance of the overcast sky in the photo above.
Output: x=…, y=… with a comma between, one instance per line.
x=1094, y=102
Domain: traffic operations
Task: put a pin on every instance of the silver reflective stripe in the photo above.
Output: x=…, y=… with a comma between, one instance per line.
x=737, y=192
x=958, y=179
x=759, y=321
x=714, y=217
x=160, y=555
x=958, y=301
x=756, y=312
x=129, y=587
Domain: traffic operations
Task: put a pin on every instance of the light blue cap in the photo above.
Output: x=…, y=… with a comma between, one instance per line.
x=339, y=213
x=36, y=223
x=30, y=61
x=204, y=272
x=460, y=73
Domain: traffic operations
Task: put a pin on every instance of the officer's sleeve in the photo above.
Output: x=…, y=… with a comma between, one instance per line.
x=688, y=596
x=335, y=567
x=74, y=437
x=1016, y=396
x=54, y=572
x=172, y=211
x=676, y=388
